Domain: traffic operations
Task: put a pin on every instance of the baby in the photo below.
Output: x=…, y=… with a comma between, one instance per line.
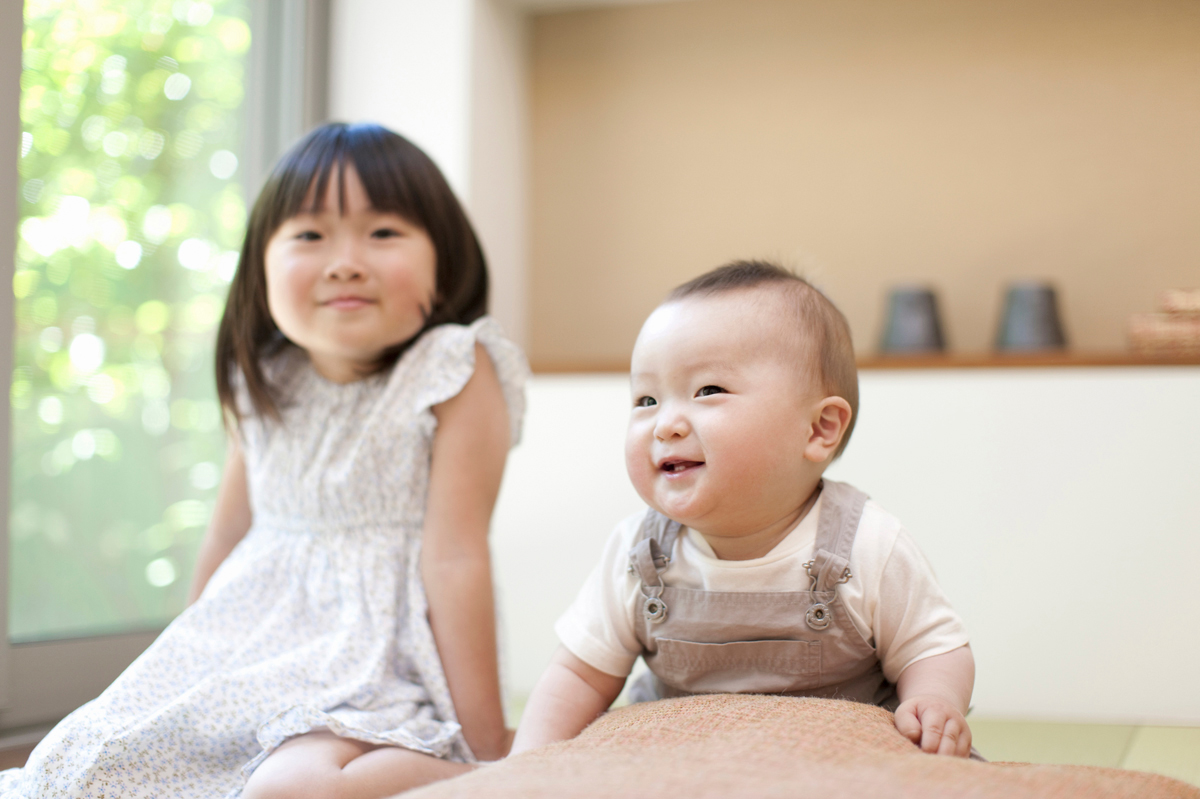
x=749, y=573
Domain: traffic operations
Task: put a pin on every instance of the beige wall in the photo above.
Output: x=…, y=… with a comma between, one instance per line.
x=866, y=143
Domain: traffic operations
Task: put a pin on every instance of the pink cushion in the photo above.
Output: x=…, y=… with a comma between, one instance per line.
x=730, y=745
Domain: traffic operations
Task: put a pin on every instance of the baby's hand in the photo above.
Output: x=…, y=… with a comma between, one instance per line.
x=935, y=725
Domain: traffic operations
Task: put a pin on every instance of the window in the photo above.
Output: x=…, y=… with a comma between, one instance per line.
x=130, y=218
x=144, y=124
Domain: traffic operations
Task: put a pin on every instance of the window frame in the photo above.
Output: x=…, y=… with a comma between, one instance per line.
x=286, y=82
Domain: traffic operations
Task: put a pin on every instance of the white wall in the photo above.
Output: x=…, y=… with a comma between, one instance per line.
x=564, y=489
x=407, y=65
x=499, y=158
x=1060, y=508
x=450, y=76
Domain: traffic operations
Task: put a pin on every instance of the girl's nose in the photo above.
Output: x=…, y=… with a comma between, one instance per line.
x=344, y=269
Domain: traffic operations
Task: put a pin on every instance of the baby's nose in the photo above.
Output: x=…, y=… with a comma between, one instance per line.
x=672, y=425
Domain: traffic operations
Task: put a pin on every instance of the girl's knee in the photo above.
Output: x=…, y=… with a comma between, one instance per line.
x=308, y=766
x=287, y=781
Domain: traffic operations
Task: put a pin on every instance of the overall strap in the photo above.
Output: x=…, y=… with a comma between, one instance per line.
x=655, y=538
x=841, y=510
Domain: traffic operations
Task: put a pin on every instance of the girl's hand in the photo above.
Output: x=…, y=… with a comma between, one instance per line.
x=506, y=744
x=935, y=725
x=498, y=750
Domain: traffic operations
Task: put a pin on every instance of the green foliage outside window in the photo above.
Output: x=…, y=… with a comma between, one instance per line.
x=131, y=214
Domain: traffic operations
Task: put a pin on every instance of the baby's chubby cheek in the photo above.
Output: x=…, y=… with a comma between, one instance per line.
x=764, y=474
x=684, y=502
x=639, y=467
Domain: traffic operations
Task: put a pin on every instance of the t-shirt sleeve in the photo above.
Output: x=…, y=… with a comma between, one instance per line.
x=598, y=626
x=913, y=619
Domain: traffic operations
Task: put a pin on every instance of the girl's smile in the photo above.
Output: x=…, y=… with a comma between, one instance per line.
x=348, y=303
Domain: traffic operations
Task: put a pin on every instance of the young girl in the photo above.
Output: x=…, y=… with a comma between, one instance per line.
x=341, y=637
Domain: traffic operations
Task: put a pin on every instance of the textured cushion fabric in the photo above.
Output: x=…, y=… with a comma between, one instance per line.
x=731, y=745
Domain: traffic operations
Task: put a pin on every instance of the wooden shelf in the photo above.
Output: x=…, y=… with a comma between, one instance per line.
x=579, y=367
x=1024, y=360
x=982, y=360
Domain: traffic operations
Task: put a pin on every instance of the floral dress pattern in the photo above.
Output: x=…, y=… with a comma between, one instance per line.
x=317, y=619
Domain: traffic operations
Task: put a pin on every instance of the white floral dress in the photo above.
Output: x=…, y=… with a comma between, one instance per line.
x=316, y=619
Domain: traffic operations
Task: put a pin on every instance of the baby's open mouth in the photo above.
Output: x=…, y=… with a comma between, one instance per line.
x=674, y=467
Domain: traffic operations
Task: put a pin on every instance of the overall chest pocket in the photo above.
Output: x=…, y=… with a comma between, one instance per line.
x=765, y=667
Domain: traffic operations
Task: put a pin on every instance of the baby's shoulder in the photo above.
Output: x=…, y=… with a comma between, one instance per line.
x=877, y=534
x=614, y=560
x=626, y=533
x=877, y=521
x=884, y=545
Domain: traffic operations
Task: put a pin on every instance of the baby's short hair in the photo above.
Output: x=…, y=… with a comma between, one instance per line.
x=821, y=326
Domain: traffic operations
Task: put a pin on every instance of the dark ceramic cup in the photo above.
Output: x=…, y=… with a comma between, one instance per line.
x=1030, y=320
x=913, y=324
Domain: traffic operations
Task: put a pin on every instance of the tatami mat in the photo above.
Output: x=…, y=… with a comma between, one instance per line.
x=1171, y=751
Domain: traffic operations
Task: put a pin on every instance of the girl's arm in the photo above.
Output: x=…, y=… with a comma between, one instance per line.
x=230, y=520
x=567, y=698
x=935, y=694
x=469, y=450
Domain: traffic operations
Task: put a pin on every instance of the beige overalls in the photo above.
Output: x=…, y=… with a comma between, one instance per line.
x=800, y=643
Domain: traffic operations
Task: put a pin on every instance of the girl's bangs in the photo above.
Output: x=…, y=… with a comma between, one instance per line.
x=388, y=167
x=313, y=201
x=304, y=179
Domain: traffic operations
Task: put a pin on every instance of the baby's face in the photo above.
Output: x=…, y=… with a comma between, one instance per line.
x=722, y=413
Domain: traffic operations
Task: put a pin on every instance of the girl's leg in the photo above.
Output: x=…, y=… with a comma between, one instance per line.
x=321, y=765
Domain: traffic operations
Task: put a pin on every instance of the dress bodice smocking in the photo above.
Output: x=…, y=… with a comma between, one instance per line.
x=354, y=455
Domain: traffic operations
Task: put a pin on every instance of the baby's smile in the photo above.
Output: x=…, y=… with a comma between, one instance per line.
x=675, y=466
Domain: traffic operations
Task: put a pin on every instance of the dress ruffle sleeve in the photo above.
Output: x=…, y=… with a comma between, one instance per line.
x=444, y=360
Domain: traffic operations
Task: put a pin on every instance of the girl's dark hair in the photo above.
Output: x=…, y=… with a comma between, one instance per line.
x=398, y=177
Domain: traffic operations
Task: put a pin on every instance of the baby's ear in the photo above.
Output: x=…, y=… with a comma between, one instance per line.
x=829, y=420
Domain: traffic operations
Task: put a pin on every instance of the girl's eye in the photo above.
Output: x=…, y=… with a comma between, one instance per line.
x=385, y=233
x=309, y=235
x=645, y=402
x=708, y=391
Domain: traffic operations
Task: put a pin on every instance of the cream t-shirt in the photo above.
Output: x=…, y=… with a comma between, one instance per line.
x=893, y=598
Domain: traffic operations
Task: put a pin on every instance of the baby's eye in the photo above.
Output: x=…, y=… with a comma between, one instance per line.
x=708, y=391
x=308, y=235
x=645, y=402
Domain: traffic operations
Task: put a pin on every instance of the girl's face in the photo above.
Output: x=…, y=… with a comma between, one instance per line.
x=345, y=286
